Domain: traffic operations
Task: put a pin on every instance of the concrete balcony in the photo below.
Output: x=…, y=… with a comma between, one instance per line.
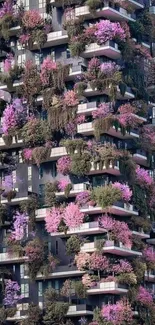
x=152, y=10
x=86, y=228
x=151, y=241
x=109, y=49
x=77, y=188
x=140, y=158
x=79, y=310
x=135, y=4
x=119, y=208
x=16, y=143
x=41, y=214
x=56, y=38
x=6, y=258
x=112, y=169
x=89, y=91
x=20, y=314
x=140, y=234
x=17, y=200
x=74, y=72
x=62, y=271
x=57, y=153
x=114, y=14
x=107, y=288
x=88, y=129
x=87, y=108
x=110, y=247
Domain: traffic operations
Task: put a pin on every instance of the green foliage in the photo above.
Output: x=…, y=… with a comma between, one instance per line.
x=3, y=315
x=34, y=316
x=106, y=196
x=55, y=311
x=102, y=125
x=80, y=164
x=35, y=133
x=80, y=290
x=139, y=269
x=127, y=278
x=93, y=4
x=29, y=206
x=74, y=144
x=140, y=200
x=73, y=245
x=50, y=197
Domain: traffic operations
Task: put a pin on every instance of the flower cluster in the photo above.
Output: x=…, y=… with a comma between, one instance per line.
x=102, y=111
x=125, y=190
x=108, y=31
x=142, y=176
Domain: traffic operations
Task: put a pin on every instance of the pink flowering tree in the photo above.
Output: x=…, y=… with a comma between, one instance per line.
x=32, y=19
x=143, y=178
x=7, y=8
x=27, y=154
x=53, y=219
x=7, y=64
x=12, y=293
x=119, y=313
x=9, y=123
x=63, y=184
x=127, y=116
x=70, y=99
x=144, y=297
x=83, y=198
x=103, y=110
x=82, y=261
x=8, y=189
x=98, y=263
x=125, y=191
x=64, y=165
x=88, y=281
x=72, y=216
x=149, y=257
x=117, y=230
x=108, y=31
x=108, y=69
x=122, y=267
x=19, y=226
x=47, y=68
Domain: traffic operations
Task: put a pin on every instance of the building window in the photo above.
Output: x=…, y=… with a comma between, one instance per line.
x=68, y=54
x=41, y=173
x=29, y=173
x=21, y=59
x=40, y=289
x=56, y=247
x=23, y=270
x=25, y=290
x=53, y=169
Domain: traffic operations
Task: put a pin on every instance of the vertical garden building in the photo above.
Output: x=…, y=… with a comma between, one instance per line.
x=77, y=161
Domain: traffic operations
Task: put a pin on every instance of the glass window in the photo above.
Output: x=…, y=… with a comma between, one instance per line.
x=53, y=169
x=40, y=289
x=25, y=290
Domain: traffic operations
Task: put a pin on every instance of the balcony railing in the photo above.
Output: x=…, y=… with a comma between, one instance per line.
x=108, y=287
x=109, y=49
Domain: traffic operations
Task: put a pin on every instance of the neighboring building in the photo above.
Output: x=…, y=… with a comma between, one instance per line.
x=77, y=159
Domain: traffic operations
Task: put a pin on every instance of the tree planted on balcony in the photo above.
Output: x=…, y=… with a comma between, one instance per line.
x=35, y=132
x=82, y=261
x=118, y=313
x=65, y=186
x=73, y=245
x=34, y=29
x=50, y=196
x=34, y=252
x=34, y=315
x=8, y=189
x=80, y=164
x=31, y=82
x=106, y=196
x=99, y=263
x=55, y=309
x=20, y=224
x=53, y=219
x=12, y=293
x=29, y=207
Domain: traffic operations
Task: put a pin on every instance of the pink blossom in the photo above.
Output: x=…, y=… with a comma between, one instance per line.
x=72, y=216
x=82, y=261
x=144, y=296
x=123, y=267
x=7, y=8
x=107, y=31
x=127, y=116
x=99, y=262
x=149, y=254
x=87, y=281
x=125, y=190
x=143, y=177
x=80, y=119
x=102, y=111
x=9, y=121
x=71, y=128
x=83, y=198
x=70, y=98
x=52, y=219
x=62, y=184
x=19, y=226
x=118, y=313
x=7, y=64
x=107, y=222
x=47, y=67
x=12, y=293
x=109, y=68
x=27, y=153
x=24, y=38
x=32, y=19
x=64, y=165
